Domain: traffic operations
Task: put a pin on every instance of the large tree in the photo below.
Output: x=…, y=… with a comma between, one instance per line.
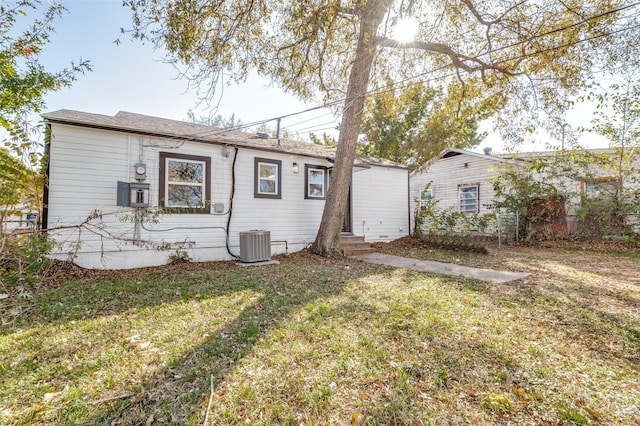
x=534, y=53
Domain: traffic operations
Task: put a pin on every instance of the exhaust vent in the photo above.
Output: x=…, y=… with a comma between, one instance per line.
x=255, y=246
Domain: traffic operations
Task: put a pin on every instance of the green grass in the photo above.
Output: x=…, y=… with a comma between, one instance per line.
x=328, y=342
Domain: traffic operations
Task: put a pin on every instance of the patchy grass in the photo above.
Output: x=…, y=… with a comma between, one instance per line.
x=312, y=341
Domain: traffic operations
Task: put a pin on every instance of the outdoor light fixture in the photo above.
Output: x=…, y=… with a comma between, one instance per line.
x=225, y=151
x=295, y=168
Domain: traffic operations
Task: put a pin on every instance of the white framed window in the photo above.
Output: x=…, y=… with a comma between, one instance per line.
x=469, y=198
x=185, y=182
x=601, y=187
x=268, y=174
x=315, y=180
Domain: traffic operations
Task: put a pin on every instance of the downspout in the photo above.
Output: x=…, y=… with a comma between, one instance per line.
x=233, y=190
x=45, y=190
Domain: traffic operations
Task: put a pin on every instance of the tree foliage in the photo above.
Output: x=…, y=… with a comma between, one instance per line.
x=24, y=81
x=535, y=50
x=582, y=180
x=617, y=118
x=325, y=139
x=534, y=54
x=232, y=122
x=13, y=179
x=414, y=124
x=25, y=30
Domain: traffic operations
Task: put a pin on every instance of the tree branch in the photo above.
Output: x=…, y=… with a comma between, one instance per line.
x=458, y=60
x=477, y=14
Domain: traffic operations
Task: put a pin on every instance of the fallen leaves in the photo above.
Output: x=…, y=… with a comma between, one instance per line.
x=136, y=342
x=291, y=346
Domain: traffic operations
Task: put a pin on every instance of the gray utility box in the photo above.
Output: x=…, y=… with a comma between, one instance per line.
x=255, y=246
x=133, y=194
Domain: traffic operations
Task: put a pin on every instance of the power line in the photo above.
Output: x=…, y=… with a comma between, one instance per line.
x=316, y=130
x=310, y=119
x=317, y=125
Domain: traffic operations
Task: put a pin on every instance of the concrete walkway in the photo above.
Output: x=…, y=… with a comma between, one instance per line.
x=441, y=268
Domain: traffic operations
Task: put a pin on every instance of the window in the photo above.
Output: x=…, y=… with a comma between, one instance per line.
x=468, y=195
x=599, y=188
x=315, y=182
x=267, y=182
x=425, y=198
x=185, y=182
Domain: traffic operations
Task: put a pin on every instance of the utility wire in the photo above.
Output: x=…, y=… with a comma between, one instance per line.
x=317, y=125
x=310, y=119
x=316, y=130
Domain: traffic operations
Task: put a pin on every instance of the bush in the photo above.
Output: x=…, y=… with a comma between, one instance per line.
x=450, y=229
x=23, y=260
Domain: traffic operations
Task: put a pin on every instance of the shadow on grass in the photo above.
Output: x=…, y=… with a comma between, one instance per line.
x=178, y=391
x=600, y=315
x=504, y=347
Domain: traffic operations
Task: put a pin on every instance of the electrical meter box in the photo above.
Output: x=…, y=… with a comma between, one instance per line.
x=133, y=194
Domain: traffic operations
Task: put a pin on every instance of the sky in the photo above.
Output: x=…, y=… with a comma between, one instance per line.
x=133, y=77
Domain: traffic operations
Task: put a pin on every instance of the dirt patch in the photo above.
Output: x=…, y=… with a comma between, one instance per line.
x=475, y=246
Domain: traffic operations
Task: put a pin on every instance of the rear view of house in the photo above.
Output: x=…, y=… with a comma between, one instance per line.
x=131, y=190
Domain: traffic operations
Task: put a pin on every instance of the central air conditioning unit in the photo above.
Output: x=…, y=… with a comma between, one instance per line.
x=255, y=246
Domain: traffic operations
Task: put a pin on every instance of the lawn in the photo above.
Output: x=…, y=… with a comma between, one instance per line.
x=315, y=341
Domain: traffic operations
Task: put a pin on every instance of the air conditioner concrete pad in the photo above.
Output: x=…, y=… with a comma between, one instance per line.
x=263, y=263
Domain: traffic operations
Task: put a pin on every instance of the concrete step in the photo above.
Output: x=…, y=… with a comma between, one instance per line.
x=354, y=245
x=351, y=239
x=357, y=251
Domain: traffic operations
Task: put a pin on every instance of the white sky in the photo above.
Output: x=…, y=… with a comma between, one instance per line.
x=132, y=77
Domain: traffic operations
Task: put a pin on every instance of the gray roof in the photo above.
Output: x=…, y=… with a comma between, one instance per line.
x=161, y=127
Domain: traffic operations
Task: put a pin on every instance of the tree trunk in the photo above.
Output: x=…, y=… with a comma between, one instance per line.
x=327, y=241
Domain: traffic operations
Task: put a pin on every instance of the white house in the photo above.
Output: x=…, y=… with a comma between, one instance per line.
x=458, y=179
x=131, y=190
x=463, y=180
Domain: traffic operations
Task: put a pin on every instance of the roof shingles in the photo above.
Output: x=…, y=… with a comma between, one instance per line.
x=162, y=127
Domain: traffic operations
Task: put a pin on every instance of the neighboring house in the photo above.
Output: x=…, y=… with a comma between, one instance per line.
x=462, y=180
x=209, y=186
x=20, y=218
x=457, y=179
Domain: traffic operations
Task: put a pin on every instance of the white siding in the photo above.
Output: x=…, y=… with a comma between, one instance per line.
x=447, y=174
x=380, y=204
x=86, y=165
